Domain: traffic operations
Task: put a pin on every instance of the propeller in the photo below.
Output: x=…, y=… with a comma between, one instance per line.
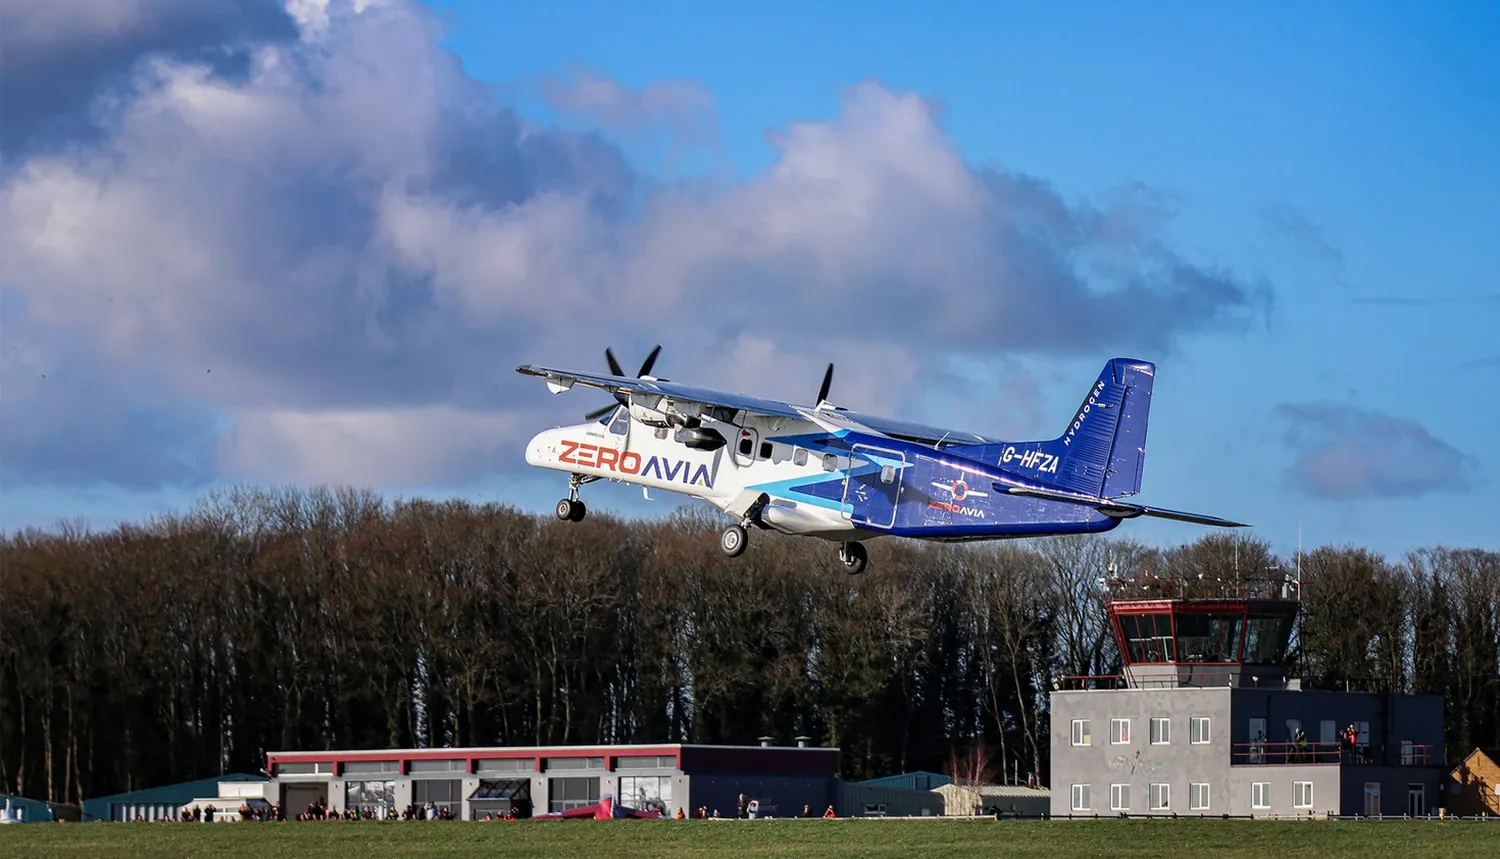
x=827, y=384
x=614, y=368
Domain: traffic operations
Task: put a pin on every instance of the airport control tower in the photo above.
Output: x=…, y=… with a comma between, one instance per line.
x=1208, y=717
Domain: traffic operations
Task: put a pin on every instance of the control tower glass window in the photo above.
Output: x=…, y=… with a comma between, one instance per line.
x=1208, y=636
x=1266, y=639
x=1148, y=637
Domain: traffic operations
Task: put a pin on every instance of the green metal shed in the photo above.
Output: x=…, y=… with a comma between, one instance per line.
x=157, y=803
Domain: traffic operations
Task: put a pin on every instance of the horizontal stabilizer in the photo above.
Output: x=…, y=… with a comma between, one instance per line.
x=1118, y=509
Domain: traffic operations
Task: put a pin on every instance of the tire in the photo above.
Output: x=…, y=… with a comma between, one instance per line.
x=732, y=541
x=580, y=510
x=565, y=510
x=854, y=557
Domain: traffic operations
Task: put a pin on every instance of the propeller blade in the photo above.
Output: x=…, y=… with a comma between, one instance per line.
x=600, y=412
x=614, y=366
x=650, y=362
x=827, y=384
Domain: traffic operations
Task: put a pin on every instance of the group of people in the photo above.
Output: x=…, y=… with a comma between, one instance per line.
x=750, y=810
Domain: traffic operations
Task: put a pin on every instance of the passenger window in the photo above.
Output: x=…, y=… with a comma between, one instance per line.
x=765, y=450
x=746, y=445
x=830, y=462
x=661, y=432
x=799, y=456
x=887, y=473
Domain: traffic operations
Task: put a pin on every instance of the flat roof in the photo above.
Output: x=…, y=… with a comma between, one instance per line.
x=534, y=751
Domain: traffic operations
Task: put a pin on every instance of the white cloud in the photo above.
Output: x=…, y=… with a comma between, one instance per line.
x=342, y=249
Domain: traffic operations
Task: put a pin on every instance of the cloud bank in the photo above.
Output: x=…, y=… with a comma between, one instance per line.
x=1345, y=453
x=300, y=243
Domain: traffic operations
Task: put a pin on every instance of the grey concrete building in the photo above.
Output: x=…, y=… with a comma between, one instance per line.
x=473, y=782
x=1205, y=721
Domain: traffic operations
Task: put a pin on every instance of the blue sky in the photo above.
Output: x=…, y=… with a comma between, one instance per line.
x=1337, y=161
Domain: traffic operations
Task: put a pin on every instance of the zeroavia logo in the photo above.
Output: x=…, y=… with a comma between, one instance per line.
x=629, y=462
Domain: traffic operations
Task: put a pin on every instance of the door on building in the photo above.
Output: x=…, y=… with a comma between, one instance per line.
x=1416, y=800
x=1372, y=799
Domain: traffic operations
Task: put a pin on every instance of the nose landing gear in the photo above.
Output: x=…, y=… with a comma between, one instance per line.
x=572, y=509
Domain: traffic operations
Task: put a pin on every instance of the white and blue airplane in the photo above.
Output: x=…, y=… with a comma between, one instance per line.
x=824, y=471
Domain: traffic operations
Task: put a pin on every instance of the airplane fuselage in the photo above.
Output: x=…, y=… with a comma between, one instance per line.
x=800, y=478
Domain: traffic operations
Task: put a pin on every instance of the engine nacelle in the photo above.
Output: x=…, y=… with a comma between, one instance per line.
x=700, y=438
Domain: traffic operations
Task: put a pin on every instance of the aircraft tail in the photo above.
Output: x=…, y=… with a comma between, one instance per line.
x=1103, y=449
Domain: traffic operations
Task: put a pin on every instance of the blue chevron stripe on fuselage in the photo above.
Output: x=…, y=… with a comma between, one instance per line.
x=941, y=495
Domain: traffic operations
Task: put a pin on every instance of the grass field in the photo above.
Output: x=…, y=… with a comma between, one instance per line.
x=809, y=839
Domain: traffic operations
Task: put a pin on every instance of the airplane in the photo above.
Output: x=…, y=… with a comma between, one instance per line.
x=827, y=472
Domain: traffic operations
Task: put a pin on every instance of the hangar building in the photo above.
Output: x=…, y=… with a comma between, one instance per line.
x=473, y=782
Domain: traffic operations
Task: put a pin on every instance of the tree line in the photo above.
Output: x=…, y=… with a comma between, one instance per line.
x=286, y=619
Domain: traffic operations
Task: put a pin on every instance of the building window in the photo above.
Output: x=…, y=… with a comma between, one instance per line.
x=376, y=796
x=1198, y=796
x=1260, y=795
x=565, y=794
x=1161, y=731
x=1199, y=728
x=1119, y=797
x=1082, y=800
x=442, y=793
x=649, y=793
x=1161, y=797
x=1081, y=732
x=1327, y=732
x=1302, y=794
x=1119, y=731
x=551, y=764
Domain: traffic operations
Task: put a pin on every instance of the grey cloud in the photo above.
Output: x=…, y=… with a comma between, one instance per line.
x=58, y=56
x=1292, y=225
x=681, y=109
x=360, y=246
x=1343, y=453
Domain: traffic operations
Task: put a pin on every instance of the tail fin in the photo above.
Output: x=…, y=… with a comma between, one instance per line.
x=1103, y=449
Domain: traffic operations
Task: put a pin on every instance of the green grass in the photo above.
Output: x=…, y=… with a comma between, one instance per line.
x=809, y=839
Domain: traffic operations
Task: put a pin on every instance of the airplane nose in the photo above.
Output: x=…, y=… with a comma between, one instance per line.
x=534, y=449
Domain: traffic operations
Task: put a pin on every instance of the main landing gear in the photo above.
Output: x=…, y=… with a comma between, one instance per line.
x=572, y=509
x=854, y=557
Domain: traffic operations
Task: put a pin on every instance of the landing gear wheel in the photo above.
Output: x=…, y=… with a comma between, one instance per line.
x=580, y=510
x=732, y=541
x=854, y=557
x=569, y=510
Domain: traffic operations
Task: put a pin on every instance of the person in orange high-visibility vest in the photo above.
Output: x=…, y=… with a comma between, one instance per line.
x=829, y=813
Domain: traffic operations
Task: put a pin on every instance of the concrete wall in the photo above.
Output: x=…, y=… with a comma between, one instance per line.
x=1138, y=763
x=1279, y=779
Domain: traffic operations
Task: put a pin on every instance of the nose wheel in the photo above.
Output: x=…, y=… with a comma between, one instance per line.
x=572, y=509
x=854, y=557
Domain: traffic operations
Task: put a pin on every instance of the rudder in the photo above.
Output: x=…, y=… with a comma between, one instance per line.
x=1102, y=451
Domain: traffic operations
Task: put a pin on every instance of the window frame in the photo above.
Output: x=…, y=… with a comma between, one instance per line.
x=1086, y=733
x=1081, y=797
x=1119, y=797
x=1193, y=790
x=1193, y=732
x=1164, y=737
x=1118, y=737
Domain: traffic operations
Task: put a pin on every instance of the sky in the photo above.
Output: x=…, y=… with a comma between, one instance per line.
x=297, y=242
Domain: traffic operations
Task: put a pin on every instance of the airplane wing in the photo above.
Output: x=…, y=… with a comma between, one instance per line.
x=561, y=380
x=831, y=419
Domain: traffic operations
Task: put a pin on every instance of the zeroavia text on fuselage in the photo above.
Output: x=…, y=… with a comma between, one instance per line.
x=824, y=471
